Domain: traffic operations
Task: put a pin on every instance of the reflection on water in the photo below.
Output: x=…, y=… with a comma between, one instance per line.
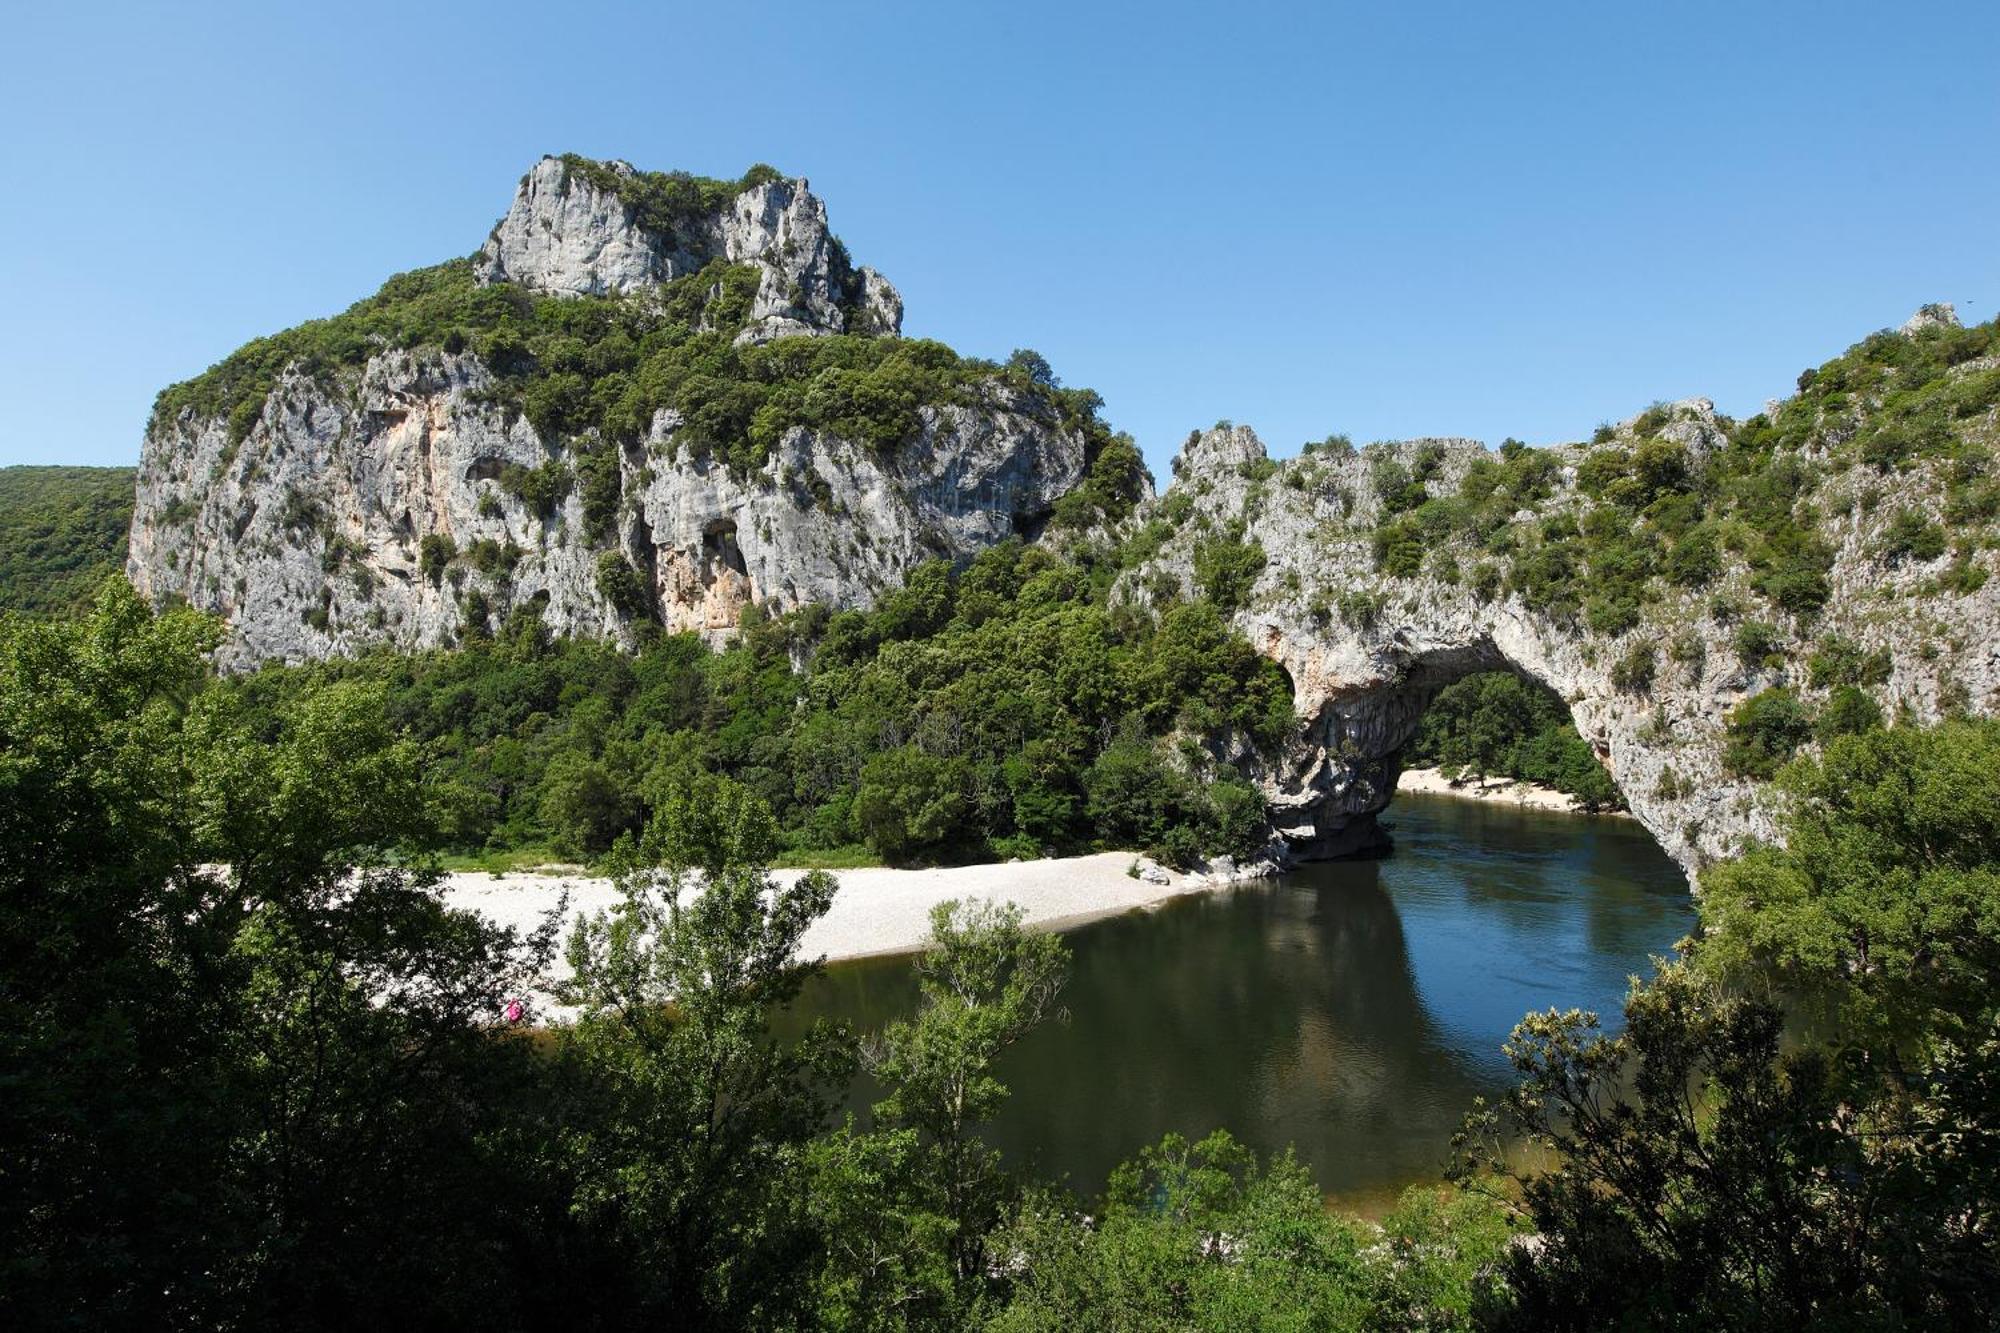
x=1352, y=1010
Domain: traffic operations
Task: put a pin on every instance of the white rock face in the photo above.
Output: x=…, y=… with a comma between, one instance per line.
x=1367, y=652
x=366, y=505
x=567, y=236
x=308, y=537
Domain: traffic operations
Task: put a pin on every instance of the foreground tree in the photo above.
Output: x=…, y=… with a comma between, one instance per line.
x=682, y=1144
x=911, y=1205
x=1203, y=1236
x=1709, y=1174
x=246, y=1044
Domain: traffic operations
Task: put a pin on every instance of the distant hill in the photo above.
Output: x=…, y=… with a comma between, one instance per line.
x=62, y=529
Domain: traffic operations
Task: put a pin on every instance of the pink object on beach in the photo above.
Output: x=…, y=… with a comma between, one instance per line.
x=514, y=1011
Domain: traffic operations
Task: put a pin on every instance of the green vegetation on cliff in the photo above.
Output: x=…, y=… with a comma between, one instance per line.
x=997, y=711
x=1662, y=515
x=62, y=531
x=605, y=366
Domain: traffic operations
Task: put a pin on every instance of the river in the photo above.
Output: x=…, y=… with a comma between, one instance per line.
x=1351, y=1010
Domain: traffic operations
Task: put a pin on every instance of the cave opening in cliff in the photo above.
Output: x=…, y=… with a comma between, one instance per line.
x=719, y=550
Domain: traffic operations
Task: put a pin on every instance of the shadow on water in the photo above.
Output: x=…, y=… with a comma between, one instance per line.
x=1351, y=1010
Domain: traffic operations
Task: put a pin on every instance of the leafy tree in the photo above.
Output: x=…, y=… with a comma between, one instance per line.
x=1203, y=1236
x=1732, y=1211
x=1226, y=568
x=1707, y=1172
x=1884, y=902
x=910, y=803
x=683, y=1149
x=1763, y=732
x=248, y=1049
x=985, y=984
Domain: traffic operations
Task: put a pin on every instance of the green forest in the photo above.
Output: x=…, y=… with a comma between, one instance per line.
x=1003, y=710
x=62, y=530
x=257, y=1075
x=1496, y=724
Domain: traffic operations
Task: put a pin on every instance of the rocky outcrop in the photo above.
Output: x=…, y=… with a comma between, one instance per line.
x=1367, y=651
x=409, y=500
x=581, y=228
x=1936, y=315
x=376, y=515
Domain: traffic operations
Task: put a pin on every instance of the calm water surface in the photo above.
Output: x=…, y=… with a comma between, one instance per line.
x=1352, y=1010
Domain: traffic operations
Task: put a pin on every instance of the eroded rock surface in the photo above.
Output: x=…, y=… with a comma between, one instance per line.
x=1368, y=651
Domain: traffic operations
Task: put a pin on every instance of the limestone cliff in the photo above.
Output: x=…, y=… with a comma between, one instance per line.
x=604, y=417
x=1655, y=579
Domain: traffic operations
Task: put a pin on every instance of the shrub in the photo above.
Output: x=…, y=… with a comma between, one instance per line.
x=1849, y=711
x=1763, y=732
x=1633, y=672
x=1757, y=644
x=1840, y=661
x=540, y=488
x=1912, y=536
x=1226, y=568
x=434, y=554
x=623, y=586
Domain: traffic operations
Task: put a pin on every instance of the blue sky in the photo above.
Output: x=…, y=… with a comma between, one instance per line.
x=1390, y=220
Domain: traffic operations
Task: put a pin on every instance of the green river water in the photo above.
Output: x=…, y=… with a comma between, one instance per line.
x=1351, y=1010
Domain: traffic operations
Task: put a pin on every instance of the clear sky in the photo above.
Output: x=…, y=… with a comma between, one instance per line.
x=1394, y=219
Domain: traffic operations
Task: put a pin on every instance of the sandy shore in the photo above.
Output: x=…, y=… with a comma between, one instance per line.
x=1432, y=782
x=877, y=911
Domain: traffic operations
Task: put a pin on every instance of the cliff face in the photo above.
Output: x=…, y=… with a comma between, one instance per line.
x=1370, y=631
x=415, y=495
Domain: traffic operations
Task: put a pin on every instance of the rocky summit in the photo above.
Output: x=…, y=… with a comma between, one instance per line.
x=649, y=398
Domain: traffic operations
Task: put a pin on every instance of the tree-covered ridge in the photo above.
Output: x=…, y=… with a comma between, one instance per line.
x=62, y=531
x=996, y=711
x=604, y=366
x=1662, y=507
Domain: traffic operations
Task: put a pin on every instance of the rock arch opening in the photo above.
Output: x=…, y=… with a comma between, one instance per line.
x=1465, y=706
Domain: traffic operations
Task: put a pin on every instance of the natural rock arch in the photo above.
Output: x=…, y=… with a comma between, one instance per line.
x=1367, y=650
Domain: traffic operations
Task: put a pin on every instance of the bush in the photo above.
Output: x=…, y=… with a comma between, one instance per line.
x=911, y=804
x=1758, y=644
x=1633, y=672
x=434, y=555
x=1226, y=568
x=1911, y=536
x=1849, y=711
x=623, y=586
x=1764, y=732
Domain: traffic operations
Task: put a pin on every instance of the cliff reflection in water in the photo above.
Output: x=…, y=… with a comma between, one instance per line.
x=1352, y=1010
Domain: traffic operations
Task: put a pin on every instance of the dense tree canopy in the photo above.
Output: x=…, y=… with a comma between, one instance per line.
x=999, y=710
x=1710, y=1173
x=62, y=531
